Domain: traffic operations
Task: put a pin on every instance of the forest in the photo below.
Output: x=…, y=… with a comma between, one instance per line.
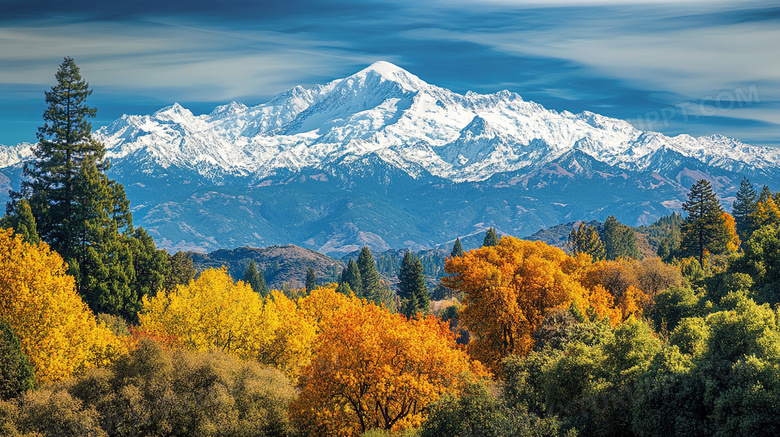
x=105, y=335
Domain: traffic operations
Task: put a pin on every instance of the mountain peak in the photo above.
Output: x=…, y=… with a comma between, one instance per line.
x=387, y=71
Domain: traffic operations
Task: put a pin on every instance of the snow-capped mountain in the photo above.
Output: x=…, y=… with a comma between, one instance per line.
x=383, y=158
x=387, y=111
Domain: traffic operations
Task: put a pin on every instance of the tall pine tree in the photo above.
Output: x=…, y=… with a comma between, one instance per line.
x=704, y=228
x=351, y=276
x=255, y=279
x=619, y=240
x=79, y=211
x=412, y=289
x=21, y=220
x=311, y=280
x=743, y=206
x=491, y=238
x=585, y=239
x=457, y=249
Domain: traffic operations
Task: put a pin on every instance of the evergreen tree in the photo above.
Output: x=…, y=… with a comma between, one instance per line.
x=619, y=240
x=180, y=271
x=491, y=238
x=150, y=265
x=457, y=249
x=65, y=146
x=79, y=211
x=743, y=206
x=412, y=288
x=372, y=287
x=16, y=373
x=343, y=288
x=21, y=220
x=351, y=277
x=311, y=280
x=585, y=239
x=255, y=279
x=704, y=229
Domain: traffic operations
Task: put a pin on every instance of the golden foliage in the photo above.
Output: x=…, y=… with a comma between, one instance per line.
x=766, y=213
x=508, y=289
x=57, y=331
x=731, y=230
x=213, y=312
x=373, y=369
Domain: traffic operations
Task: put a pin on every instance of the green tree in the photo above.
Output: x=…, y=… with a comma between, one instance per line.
x=351, y=277
x=457, y=249
x=369, y=277
x=411, y=286
x=21, y=220
x=311, y=280
x=255, y=279
x=180, y=271
x=16, y=372
x=619, y=240
x=491, y=238
x=79, y=211
x=64, y=146
x=743, y=207
x=585, y=239
x=704, y=229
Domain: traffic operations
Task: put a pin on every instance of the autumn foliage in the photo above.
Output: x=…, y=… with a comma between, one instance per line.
x=510, y=287
x=374, y=369
x=213, y=312
x=57, y=331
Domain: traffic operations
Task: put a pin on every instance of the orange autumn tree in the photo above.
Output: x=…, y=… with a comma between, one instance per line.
x=57, y=331
x=508, y=288
x=374, y=369
x=214, y=312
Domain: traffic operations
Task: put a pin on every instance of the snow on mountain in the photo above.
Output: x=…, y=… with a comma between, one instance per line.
x=12, y=155
x=387, y=111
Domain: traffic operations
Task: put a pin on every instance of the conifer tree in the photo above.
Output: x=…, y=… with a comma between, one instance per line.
x=21, y=220
x=585, y=239
x=412, y=288
x=351, y=276
x=65, y=146
x=17, y=374
x=619, y=240
x=457, y=249
x=180, y=271
x=370, y=280
x=255, y=279
x=311, y=280
x=491, y=238
x=743, y=206
x=704, y=229
x=78, y=210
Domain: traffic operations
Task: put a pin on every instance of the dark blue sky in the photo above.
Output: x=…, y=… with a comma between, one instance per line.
x=676, y=67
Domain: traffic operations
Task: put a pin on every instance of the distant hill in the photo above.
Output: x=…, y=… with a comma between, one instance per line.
x=280, y=264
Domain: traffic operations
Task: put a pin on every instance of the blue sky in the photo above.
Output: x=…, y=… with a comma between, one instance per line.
x=697, y=67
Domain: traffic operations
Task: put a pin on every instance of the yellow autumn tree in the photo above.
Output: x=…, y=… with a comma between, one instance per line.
x=766, y=213
x=56, y=329
x=214, y=312
x=374, y=369
x=732, y=244
x=509, y=288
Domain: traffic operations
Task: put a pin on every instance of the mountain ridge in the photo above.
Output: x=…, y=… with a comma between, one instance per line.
x=315, y=166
